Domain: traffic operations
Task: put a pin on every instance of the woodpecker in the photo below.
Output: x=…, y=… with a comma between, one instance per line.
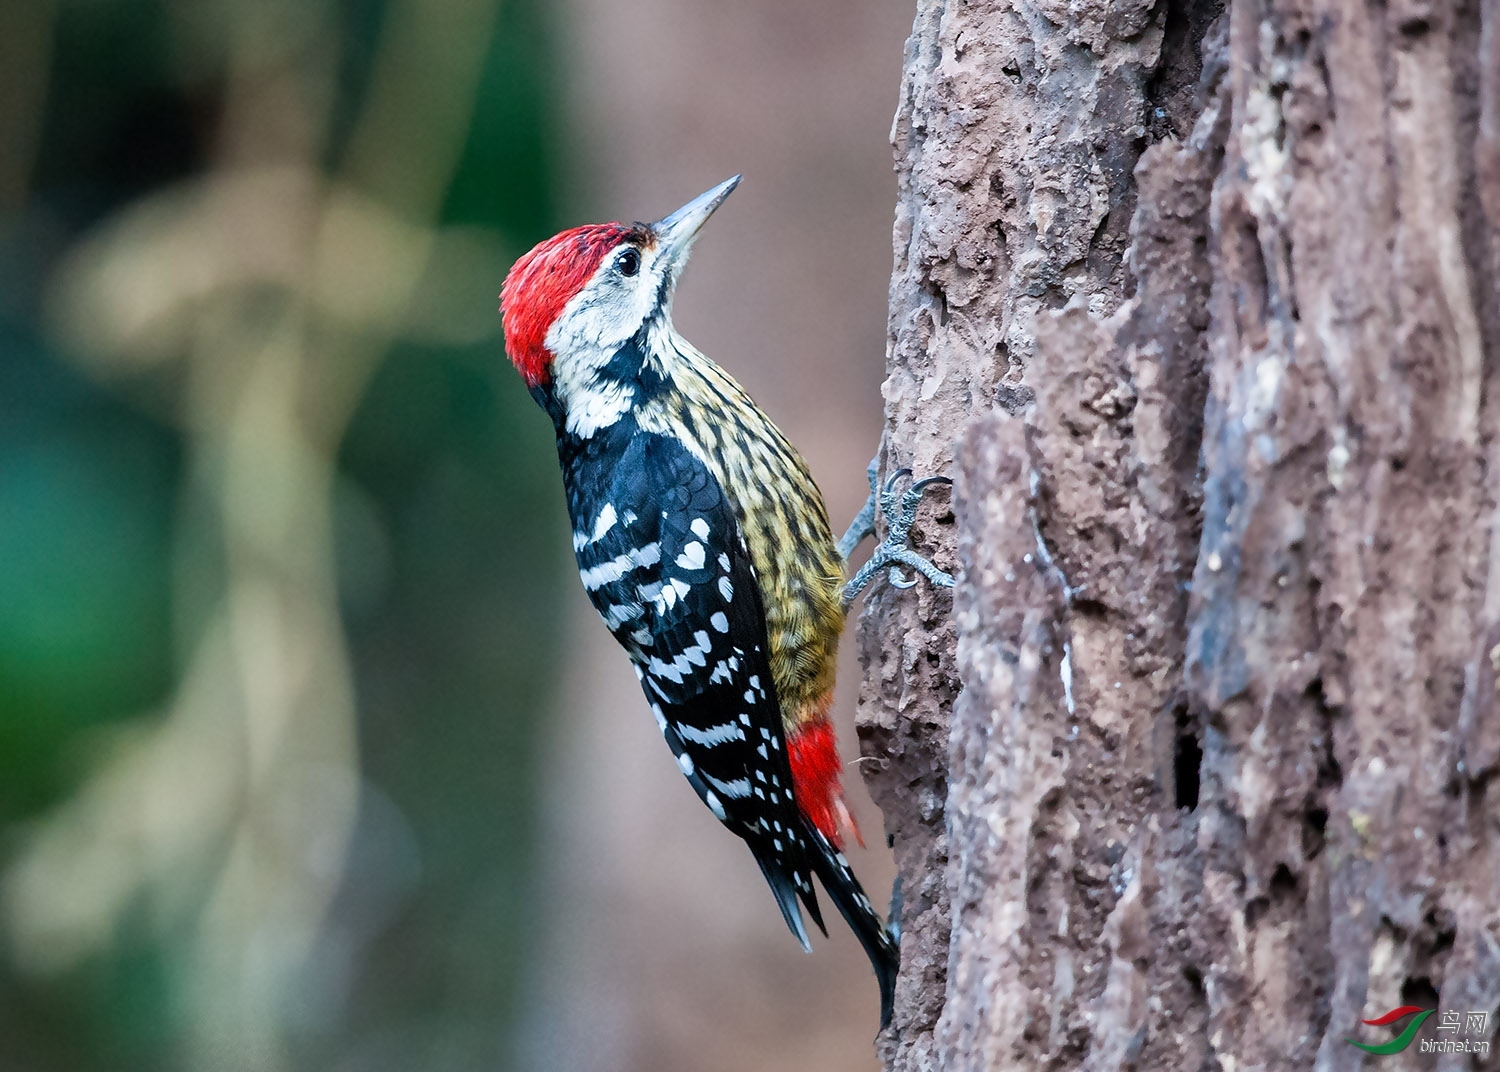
x=704, y=545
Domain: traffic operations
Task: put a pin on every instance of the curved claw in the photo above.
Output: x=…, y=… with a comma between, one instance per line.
x=898, y=579
x=928, y=481
x=890, y=481
x=893, y=917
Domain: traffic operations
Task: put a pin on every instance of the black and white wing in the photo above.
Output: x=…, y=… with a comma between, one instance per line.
x=662, y=558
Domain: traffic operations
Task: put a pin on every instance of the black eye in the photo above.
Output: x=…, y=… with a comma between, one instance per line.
x=628, y=262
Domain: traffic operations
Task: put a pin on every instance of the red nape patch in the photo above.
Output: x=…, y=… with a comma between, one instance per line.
x=541, y=283
x=818, y=780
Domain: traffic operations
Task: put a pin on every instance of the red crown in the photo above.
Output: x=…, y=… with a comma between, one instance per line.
x=541, y=283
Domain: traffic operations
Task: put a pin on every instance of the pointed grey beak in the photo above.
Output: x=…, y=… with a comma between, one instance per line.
x=677, y=231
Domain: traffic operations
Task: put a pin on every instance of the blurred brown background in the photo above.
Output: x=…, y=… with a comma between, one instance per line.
x=311, y=754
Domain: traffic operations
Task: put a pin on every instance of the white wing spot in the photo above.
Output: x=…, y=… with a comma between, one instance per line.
x=620, y=613
x=711, y=736
x=606, y=522
x=685, y=761
x=720, y=621
x=715, y=805
x=726, y=589
x=736, y=789
x=666, y=670
x=692, y=557
x=700, y=528
x=596, y=577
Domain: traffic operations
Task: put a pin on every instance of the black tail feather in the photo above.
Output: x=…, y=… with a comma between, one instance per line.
x=785, y=891
x=810, y=899
x=837, y=878
x=833, y=871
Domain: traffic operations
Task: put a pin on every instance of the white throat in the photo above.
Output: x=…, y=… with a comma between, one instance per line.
x=591, y=401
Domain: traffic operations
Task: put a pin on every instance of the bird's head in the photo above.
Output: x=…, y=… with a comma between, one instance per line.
x=576, y=299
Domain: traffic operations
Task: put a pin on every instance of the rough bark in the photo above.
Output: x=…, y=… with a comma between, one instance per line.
x=1198, y=303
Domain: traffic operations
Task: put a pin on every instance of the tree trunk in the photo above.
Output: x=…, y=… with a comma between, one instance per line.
x=1198, y=304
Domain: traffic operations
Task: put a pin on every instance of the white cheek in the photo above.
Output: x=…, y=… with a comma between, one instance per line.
x=589, y=326
x=604, y=314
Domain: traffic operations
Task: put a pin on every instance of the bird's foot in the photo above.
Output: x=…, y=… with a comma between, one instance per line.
x=892, y=553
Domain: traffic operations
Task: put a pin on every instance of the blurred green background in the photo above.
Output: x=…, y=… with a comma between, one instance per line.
x=256, y=459
x=312, y=754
